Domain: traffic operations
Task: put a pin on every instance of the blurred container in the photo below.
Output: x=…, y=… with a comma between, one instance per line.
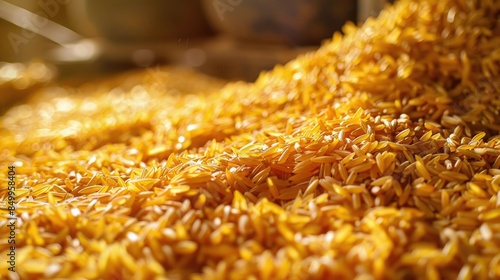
x=148, y=20
x=19, y=44
x=235, y=60
x=292, y=22
x=78, y=20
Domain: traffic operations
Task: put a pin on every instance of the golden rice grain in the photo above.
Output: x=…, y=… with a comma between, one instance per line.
x=185, y=247
x=490, y=215
x=453, y=176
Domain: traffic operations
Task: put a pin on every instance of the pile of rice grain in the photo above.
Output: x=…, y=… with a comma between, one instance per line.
x=375, y=157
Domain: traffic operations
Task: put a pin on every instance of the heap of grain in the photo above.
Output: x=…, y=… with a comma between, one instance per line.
x=376, y=156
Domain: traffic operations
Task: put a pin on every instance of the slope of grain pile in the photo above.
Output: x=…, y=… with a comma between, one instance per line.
x=375, y=157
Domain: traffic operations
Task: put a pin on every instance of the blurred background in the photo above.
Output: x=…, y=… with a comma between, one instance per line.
x=44, y=40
